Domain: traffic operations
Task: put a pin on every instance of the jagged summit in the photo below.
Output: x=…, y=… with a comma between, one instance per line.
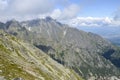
x=12, y=23
x=13, y=20
x=48, y=18
x=2, y=25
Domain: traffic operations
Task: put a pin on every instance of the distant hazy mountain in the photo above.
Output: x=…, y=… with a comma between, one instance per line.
x=101, y=26
x=88, y=54
x=110, y=33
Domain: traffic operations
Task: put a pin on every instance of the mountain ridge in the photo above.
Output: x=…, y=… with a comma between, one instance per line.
x=83, y=52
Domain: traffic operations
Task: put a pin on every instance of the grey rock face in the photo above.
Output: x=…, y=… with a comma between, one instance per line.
x=18, y=79
x=23, y=61
x=76, y=49
x=2, y=25
x=2, y=78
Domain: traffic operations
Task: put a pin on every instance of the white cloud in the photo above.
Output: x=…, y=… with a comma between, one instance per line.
x=91, y=22
x=56, y=14
x=31, y=6
x=28, y=9
x=70, y=11
x=20, y=9
x=117, y=15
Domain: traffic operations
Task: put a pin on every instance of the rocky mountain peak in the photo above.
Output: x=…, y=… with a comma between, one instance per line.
x=12, y=23
x=48, y=18
x=2, y=25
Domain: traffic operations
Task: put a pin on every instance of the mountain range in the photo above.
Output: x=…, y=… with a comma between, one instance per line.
x=105, y=27
x=110, y=33
x=88, y=54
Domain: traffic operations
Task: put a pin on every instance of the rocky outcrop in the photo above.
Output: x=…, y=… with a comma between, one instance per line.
x=22, y=61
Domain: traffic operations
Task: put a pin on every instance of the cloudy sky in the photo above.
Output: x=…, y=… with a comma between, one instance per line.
x=72, y=12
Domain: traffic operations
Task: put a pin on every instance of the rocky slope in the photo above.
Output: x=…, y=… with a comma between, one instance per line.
x=83, y=52
x=22, y=61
